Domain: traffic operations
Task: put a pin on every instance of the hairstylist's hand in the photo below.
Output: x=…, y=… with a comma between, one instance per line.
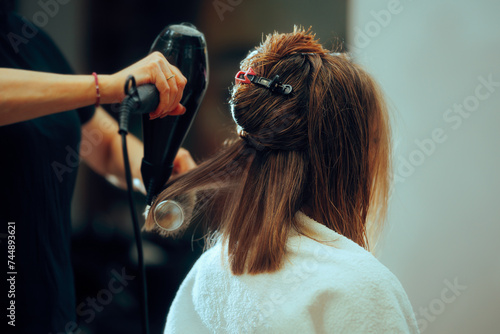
x=183, y=162
x=157, y=70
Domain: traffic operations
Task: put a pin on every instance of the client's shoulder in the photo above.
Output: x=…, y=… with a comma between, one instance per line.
x=335, y=259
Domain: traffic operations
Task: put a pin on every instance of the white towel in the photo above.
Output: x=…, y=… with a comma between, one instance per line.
x=333, y=286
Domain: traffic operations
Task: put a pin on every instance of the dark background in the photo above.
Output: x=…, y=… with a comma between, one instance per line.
x=105, y=37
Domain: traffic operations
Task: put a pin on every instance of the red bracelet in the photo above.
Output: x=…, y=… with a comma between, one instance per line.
x=98, y=93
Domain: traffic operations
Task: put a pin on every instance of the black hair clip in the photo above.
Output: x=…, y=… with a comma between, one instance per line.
x=273, y=85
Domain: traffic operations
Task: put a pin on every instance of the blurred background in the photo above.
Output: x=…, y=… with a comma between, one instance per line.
x=438, y=63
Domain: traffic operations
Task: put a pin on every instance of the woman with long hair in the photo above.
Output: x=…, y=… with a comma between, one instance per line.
x=295, y=203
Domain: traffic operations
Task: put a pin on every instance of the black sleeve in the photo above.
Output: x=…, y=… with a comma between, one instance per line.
x=86, y=113
x=62, y=66
x=36, y=51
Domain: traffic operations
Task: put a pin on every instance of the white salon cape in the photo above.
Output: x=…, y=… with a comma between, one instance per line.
x=332, y=286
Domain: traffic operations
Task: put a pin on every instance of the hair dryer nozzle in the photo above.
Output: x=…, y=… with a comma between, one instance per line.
x=184, y=47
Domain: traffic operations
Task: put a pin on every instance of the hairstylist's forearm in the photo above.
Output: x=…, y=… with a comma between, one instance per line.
x=105, y=156
x=27, y=95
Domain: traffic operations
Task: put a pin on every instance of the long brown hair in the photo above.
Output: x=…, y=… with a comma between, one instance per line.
x=323, y=149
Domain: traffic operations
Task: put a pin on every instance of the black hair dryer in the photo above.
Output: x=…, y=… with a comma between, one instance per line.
x=184, y=47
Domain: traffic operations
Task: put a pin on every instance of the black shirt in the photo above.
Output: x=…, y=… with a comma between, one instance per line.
x=39, y=162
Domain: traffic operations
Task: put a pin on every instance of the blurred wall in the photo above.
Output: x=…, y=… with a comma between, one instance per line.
x=439, y=64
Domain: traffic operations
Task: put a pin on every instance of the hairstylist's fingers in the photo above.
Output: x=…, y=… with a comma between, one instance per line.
x=154, y=69
x=181, y=82
x=173, y=89
x=179, y=110
x=165, y=90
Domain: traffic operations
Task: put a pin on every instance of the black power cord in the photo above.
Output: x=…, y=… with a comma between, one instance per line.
x=130, y=104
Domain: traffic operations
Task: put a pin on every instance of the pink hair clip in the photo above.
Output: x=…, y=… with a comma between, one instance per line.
x=242, y=76
x=274, y=85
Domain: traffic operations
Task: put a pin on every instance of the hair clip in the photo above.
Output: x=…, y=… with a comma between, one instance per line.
x=273, y=85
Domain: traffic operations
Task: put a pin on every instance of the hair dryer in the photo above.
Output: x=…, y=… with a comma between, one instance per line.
x=184, y=47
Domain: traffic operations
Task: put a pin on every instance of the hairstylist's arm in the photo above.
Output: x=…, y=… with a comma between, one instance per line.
x=26, y=94
x=101, y=149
